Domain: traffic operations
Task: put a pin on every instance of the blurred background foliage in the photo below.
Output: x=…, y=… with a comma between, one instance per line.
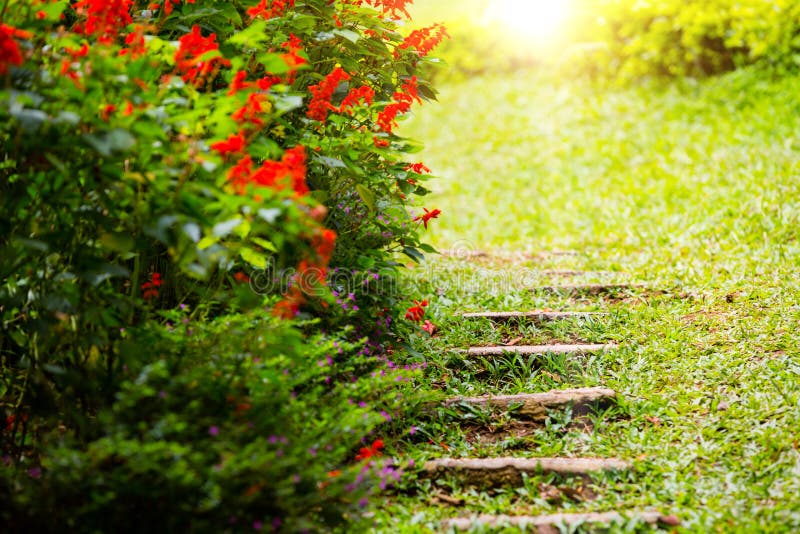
x=621, y=40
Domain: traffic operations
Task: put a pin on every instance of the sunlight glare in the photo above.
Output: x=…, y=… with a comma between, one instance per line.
x=534, y=19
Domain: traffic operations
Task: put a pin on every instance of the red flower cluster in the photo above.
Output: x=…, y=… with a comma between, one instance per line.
x=104, y=18
x=322, y=93
x=192, y=47
x=9, y=49
x=291, y=57
x=417, y=312
x=270, y=9
x=150, y=288
x=373, y=450
x=427, y=216
x=418, y=168
x=323, y=244
x=135, y=43
x=387, y=118
x=425, y=39
x=360, y=95
x=392, y=8
x=252, y=110
x=167, y=5
x=289, y=171
x=310, y=274
x=235, y=144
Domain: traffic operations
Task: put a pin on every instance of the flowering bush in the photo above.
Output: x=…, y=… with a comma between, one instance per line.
x=225, y=157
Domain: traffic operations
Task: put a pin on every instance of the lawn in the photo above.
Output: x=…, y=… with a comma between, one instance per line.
x=690, y=186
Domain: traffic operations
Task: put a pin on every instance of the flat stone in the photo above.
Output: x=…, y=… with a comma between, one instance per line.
x=540, y=349
x=558, y=272
x=590, y=289
x=536, y=405
x=535, y=316
x=493, y=472
x=553, y=524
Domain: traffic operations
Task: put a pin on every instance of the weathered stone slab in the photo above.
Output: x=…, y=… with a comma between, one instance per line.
x=536, y=405
x=493, y=472
x=552, y=524
x=535, y=316
x=592, y=290
x=540, y=349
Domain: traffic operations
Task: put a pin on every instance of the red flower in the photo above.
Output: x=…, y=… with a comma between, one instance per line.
x=233, y=145
x=191, y=48
x=270, y=9
x=387, y=119
x=389, y=7
x=251, y=110
x=9, y=49
x=427, y=216
x=418, y=168
x=380, y=143
x=292, y=58
x=136, y=43
x=363, y=94
x=238, y=83
x=373, y=450
x=150, y=288
x=324, y=244
x=104, y=18
x=289, y=171
x=417, y=312
x=167, y=5
x=321, y=95
x=424, y=40
x=241, y=277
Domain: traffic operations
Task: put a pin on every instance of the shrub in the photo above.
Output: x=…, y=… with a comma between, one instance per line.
x=229, y=157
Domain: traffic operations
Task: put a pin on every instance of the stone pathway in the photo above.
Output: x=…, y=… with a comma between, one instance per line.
x=536, y=408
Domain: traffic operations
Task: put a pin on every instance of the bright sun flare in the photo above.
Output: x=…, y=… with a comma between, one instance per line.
x=535, y=19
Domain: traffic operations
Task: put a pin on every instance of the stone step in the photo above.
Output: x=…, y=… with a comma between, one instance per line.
x=591, y=290
x=535, y=316
x=555, y=523
x=540, y=349
x=493, y=472
x=536, y=405
x=571, y=273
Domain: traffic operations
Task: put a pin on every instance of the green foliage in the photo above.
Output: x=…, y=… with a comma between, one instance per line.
x=169, y=155
x=698, y=38
x=232, y=422
x=625, y=40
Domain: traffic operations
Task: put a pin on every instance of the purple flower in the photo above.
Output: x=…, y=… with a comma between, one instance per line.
x=257, y=525
x=213, y=431
x=412, y=430
x=35, y=472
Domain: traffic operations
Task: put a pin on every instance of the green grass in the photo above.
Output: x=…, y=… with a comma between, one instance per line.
x=692, y=187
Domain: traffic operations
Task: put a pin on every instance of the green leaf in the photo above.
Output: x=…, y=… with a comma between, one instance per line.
x=367, y=196
x=256, y=259
x=350, y=35
x=117, y=241
x=414, y=254
x=224, y=229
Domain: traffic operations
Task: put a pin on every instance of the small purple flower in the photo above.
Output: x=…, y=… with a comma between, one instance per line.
x=257, y=525
x=213, y=431
x=363, y=502
x=412, y=430
x=35, y=472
